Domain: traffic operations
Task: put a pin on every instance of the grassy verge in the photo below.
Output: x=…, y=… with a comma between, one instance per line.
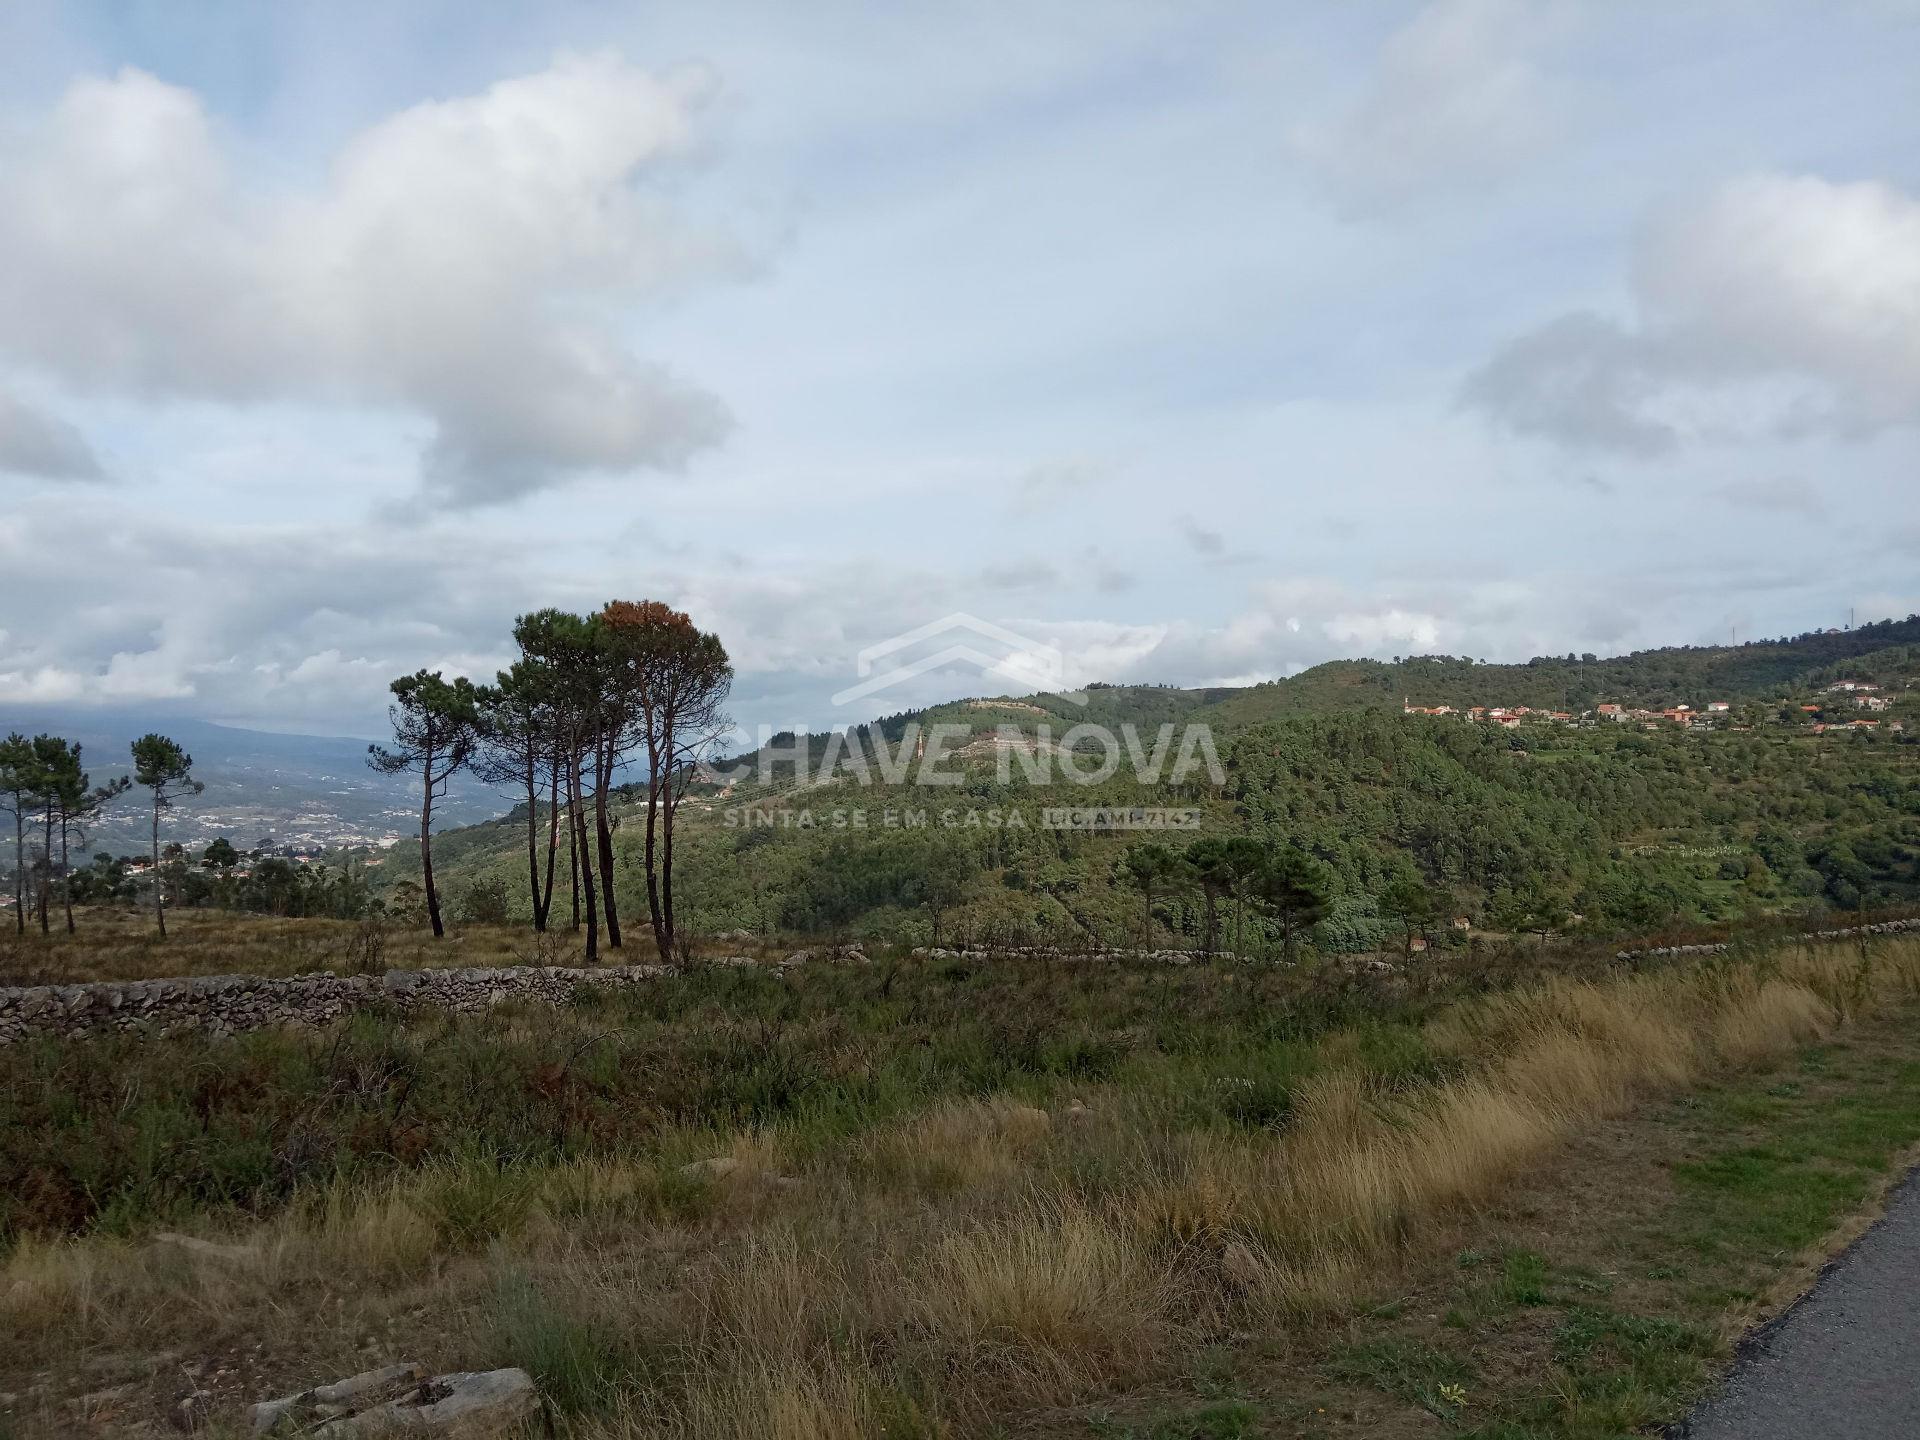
x=1602, y=1296
x=1201, y=1199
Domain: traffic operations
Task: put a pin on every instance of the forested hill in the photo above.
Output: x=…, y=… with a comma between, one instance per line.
x=1676, y=675
x=1761, y=670
x=1612, y=828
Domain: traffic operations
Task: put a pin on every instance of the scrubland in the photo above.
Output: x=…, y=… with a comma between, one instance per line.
x=952, y=1198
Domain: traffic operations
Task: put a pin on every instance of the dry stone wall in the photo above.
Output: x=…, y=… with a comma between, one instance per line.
x=224, y=1004
x=1883, y=927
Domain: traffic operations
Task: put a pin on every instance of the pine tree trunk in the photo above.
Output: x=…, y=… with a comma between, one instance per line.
x=666, y=863
x=19, y=870
x=46, y=870
x=553, y=844
x=586, y=866
x=66, y=877
x=573, y=858
x=533, y=845
x=662, y=939
x=426, y=850
x=159, y=900
x=603, y=836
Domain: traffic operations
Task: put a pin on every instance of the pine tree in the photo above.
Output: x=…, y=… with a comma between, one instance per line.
x=436, y=727
x=163, y=769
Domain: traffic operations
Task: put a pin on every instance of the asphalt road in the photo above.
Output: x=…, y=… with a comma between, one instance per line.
x=1845, y=1361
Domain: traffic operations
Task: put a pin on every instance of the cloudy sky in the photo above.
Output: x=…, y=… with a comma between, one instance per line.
x=1200, y=341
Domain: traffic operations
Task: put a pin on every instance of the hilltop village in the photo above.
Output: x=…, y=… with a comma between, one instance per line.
x=1838, y=711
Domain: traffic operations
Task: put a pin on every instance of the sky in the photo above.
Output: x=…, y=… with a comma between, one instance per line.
x=1182, y=342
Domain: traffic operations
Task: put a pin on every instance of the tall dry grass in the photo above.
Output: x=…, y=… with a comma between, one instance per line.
x=987, y=1256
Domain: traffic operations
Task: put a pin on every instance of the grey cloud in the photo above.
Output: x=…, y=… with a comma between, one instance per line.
x=470, y=260
x=1581, y=379
x=1458, y=100
x=1773, y=306
x=331, y=614
x=1609, y=626
x=1781, y=495
x=37, y=444
x=1054, y=483
x=1020, y=575
x=1203, y=540
x=1108, y=577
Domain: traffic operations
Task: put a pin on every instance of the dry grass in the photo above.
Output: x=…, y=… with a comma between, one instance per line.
x=1049, y=1299
x=960, y=1145
x=980, y=1259
x=773, y=1399
x=1761, y=1026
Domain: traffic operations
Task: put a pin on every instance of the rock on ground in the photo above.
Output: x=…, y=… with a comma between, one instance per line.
x=397, y=1400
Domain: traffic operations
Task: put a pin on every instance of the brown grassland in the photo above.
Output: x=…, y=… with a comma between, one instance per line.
x=1463, y=1209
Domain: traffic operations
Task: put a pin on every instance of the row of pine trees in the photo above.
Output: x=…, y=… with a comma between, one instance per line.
x=46, y=790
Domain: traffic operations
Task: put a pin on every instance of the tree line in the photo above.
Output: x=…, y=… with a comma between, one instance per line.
x=636, y=683
x=46, y=790
x=229, y=878
x=1285, y=884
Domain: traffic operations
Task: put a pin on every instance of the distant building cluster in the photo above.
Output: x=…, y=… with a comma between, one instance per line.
x=1864, y=694
x=1512, y=716
x=1682, y=715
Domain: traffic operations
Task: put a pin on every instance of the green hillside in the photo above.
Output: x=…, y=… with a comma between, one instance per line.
x=1597, y=827
x=1681, y=675
x=1761, y=670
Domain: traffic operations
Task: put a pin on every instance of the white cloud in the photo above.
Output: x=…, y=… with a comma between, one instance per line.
x=1774, y=304
x=468, y=260
x=35, y=443
x=1458, y=100
x=47, y=685
x=1370, y=631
